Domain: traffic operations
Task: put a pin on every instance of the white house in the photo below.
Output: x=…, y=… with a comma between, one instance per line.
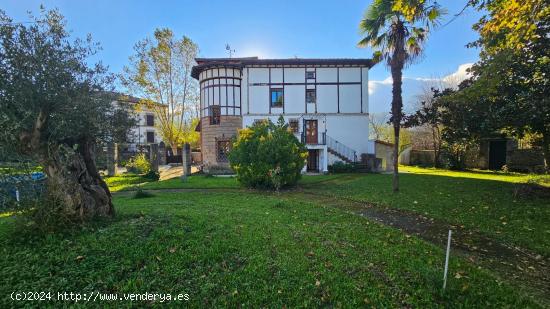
x=325, y=102
x=145, y=132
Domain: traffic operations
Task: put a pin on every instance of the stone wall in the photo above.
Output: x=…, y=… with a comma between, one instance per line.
x=210, y=134
x=526, y=160
x=422, y=157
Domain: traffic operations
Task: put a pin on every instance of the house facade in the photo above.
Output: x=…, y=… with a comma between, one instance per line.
x=145, y=131
x=324, y=101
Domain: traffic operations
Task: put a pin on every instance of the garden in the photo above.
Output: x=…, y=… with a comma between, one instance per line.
x=226, y=245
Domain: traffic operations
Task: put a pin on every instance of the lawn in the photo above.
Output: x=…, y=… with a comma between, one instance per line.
x=480, y=201
x=227, y=246
x=253, y=249
x=127, y=182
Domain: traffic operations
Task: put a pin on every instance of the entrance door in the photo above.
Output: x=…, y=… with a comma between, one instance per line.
x=311, y=132
x=313, y=160
x=497, y=154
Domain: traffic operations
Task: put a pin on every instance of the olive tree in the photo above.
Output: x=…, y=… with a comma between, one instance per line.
x=54, y=109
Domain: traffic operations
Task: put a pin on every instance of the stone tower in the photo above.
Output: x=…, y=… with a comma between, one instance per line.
x=220, y=83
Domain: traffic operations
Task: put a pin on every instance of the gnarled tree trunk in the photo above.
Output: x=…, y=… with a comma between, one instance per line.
x=74, y=180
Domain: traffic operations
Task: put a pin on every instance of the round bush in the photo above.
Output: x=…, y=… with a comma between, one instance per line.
x=268, y=155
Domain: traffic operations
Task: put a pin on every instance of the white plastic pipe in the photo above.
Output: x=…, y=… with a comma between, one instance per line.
x=447, y=260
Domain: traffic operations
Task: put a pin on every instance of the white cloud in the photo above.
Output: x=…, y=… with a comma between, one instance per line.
x=460, y=75
x=380, y=90
x=374, y=84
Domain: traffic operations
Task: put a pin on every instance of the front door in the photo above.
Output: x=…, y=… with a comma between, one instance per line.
x=311, y=132
x=497, y=154
x=313, y=160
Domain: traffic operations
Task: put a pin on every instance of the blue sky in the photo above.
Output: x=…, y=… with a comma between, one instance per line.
x=268, y=29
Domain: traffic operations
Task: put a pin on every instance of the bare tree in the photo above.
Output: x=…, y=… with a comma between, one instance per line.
x=377, y=122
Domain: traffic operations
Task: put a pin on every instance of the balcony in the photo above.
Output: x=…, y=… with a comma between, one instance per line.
x=321, y=139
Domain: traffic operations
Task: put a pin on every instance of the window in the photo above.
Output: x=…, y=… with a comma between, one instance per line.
x=276, y=97
x=293, y=125
x=222, y=150
x=310, y=75
x=215, y=114
x=311, y=96
x=150, y=120
x=150, y=137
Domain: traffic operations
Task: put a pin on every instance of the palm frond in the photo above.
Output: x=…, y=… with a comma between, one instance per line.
x=399, y=30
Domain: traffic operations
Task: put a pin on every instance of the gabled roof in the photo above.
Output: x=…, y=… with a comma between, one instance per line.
x=205, y=63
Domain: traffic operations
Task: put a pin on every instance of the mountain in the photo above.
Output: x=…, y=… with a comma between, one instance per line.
x=380, y=90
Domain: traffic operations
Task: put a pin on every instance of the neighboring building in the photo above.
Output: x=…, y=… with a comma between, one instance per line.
x=145, y=132
x=325, y=101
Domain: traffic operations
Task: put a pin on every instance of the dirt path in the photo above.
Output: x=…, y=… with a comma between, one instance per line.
x=529, y=270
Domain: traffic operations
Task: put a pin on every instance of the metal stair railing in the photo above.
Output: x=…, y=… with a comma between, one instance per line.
x=321, y=140
x=341, y=149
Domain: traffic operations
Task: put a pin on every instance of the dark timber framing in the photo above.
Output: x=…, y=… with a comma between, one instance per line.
x=305, y=86
x=209, y=85
x=361, y=79
x=207, y=63
x=297, y=84
x=284, y=103
x=315, y=70
x=270, y=98
x=338, y=87
x=247, y=91
x=232, y=105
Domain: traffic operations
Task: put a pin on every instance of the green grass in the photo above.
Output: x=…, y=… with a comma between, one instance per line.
x=543, y=180
x=195, y=182
x=125, y=181
x=130, y=181
x=482, y=201
x=255, y=249
x=244, y=249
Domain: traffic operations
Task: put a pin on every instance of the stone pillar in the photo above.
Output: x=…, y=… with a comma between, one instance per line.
x=325, y=160
x=112, y=158
x=162, y=154
x=154, y=156
x=186, y=160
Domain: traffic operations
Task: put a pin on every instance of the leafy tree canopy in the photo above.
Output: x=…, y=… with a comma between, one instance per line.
x=54, y=109
x=159, y=72
x=513, y=72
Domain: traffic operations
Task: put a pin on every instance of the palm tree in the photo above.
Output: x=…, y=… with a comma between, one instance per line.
x=397, y=30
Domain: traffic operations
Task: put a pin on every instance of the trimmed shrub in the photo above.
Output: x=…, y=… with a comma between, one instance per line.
x=152, y=175
x=268, y=156
x=341, y=167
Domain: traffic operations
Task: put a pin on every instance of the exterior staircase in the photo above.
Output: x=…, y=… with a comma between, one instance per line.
x=341, y=151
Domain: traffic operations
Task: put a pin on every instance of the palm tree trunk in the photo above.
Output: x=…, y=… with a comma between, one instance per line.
x=397, y=107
